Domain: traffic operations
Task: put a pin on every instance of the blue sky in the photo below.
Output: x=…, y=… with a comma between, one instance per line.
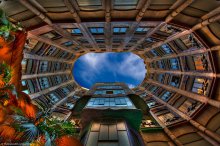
x=109, y=67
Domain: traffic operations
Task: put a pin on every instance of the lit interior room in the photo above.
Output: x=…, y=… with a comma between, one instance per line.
x=110, y=72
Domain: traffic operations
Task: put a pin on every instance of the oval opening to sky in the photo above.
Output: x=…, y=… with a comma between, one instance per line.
x=109, y=67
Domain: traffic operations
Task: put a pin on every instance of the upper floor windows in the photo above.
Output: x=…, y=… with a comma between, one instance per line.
x=160, y=78
x=100, y=40
x=43, y=66
x=109, y=87
x=65, y=90
x=166, y=96
x=53, y=98
x=83, y=41
x=152, y=104
x=175, y=81
x=44, y=83
x=125, y=4
x=51, y=35
x=169, y=118
x=50, y=51
x=57, y=66
x=160, y=64
x=174, y=64
x=117, y=40
x=201, y=62
x=58, y=79
x=141, y=30
x=119, y=30
x=97, y=30
x=167, y=49
x=76, y=31
x=200, y=86
x=69, y=105
x=154, y=52
x=67, y=44
x=123, y=102
x=32, y=85
x=109, y=92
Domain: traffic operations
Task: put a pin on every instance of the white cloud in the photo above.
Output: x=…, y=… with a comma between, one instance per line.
x=130, y=86
x=130, y=65
x=94, y=60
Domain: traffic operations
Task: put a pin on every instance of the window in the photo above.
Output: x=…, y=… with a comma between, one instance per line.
x=53, y=98
x=160, y=64
x=154, y=52
x=57, y=66
x=76, y=31
x=119, y=30
x=151, y=40
x=50, y=51
x=117, y=40
x=44, y=83
x=83, y=41
x=125, y=4
x=119, y=91
x=43, y=66
x=65, y=91
x=160, y=78
x=200, y=86
x=51, y=35
x=100, y=40
x=58, y=79
x=201, y=63
x=174, y=64
x=109, y=87
x=63, y=55
x=96, y=30
x=23, y=65
x=151, y=104
x=168, y=118
x=67, y=44
x=166, y=96
x=116, y=102
x=134, y=40
x=189, y=106
x=175, y=81
x=69, y=105
x=166, y=49
x=141, y=30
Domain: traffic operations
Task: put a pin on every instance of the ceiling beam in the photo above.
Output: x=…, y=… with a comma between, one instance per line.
x=186, y=32
x=25, y=76
x=135, y=25
x=72, y=93
x=108, y=30
x=32, y=8
x=181, y=6
x=189, y=73
x=45, y=91
x=37, y=57
x=187, y=118
x=194, y=96
x=72, y=10
x=49, y=42
x=82, y=27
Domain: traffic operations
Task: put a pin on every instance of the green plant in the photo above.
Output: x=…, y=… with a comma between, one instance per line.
x=5, y=77
x=6, y=26
x=5, y=72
